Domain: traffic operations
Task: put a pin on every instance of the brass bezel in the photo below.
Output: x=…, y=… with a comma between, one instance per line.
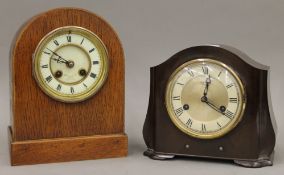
x=68, y=98
x=200, y=135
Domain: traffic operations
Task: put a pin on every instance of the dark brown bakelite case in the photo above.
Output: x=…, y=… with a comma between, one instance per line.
x=250, y=144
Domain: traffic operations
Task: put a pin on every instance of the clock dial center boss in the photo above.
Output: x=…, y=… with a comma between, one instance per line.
x=205, y=98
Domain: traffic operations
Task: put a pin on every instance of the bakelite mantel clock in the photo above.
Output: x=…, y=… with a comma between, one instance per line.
x=211, y=101
x=67, y=89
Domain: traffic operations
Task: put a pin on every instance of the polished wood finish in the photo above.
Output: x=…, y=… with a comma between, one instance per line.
x=250, y=144
x=37, y=116
x=68, y=149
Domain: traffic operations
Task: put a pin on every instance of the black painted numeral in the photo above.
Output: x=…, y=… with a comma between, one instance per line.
x=205, y=69
x=219, y=125
x=179, y=111
x=219, y=73
x=58, y=87
x=93, y=49
x=44, y=66
x=233, y=100
x=93, y=75
x=85, y=85
x=190, y=72
x=176, y=98
x=49, y=78
x=180, y=84
x=68, y=38
x=229, y=85
x=47, y=53
x=189, y=122
x=229, y=114
x=95, y=62
x=82, y=41
x=72, y=90
x=203, y=127
x=56, y=42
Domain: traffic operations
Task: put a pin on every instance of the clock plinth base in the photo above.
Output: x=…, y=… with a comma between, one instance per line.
x=157, y=156
x=258, y=163
x=67, y=149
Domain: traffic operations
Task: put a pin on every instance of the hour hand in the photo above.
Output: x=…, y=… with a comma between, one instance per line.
x=58, y=60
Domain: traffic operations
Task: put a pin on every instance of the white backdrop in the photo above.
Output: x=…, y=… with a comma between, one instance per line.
x=151, y=31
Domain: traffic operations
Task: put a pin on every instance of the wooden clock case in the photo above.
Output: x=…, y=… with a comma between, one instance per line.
x=45, y=130
x=250, y=144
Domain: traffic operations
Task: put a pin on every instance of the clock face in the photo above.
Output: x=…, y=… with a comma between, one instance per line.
x=205, y=98
x=70, y=64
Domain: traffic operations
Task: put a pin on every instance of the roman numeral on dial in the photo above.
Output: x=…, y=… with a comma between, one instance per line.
x=68, y=38
x=190, y=72
x=82, y=41
x=44, y=66
x=47, y=53
x=229, y=85
x=93, y=75
x=58, y=87
x=179, y=111
x=180, y=84
x=233, y=100
x=176, y=98
x=72, y=90
x=95, y=62
x=229, y=114
x=49, y=78
x=203, y=127
x=56, y=42
x=205, y=69
x=189, y=122
x=93, y=49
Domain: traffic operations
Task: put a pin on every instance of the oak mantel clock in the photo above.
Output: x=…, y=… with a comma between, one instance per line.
x=67, y=89
x=211, y=101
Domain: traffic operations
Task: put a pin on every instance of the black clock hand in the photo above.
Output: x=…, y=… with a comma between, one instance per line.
x=60, y=58
x=221, y=109
x=213, y=107
x=207, y=81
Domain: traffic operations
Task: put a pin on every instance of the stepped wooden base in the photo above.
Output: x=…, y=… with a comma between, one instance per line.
x=67, y=149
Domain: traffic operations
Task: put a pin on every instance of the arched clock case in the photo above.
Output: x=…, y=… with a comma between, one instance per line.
x=249, y=141
x=67, y=85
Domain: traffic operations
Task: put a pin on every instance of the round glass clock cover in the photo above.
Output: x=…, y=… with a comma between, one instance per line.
x=70, y=64
x=205, y=98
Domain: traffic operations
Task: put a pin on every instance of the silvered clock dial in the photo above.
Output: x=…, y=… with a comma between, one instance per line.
x=205, y=98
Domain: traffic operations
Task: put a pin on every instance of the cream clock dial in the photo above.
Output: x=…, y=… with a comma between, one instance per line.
x=205, y=98
x=70, y=64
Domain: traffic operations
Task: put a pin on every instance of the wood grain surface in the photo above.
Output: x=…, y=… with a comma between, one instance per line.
x=44, y=130
x=68, y=149
x=35, y=115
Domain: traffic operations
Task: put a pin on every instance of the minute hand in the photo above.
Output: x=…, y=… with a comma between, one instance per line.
x=65, y=61
x=214, y=107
